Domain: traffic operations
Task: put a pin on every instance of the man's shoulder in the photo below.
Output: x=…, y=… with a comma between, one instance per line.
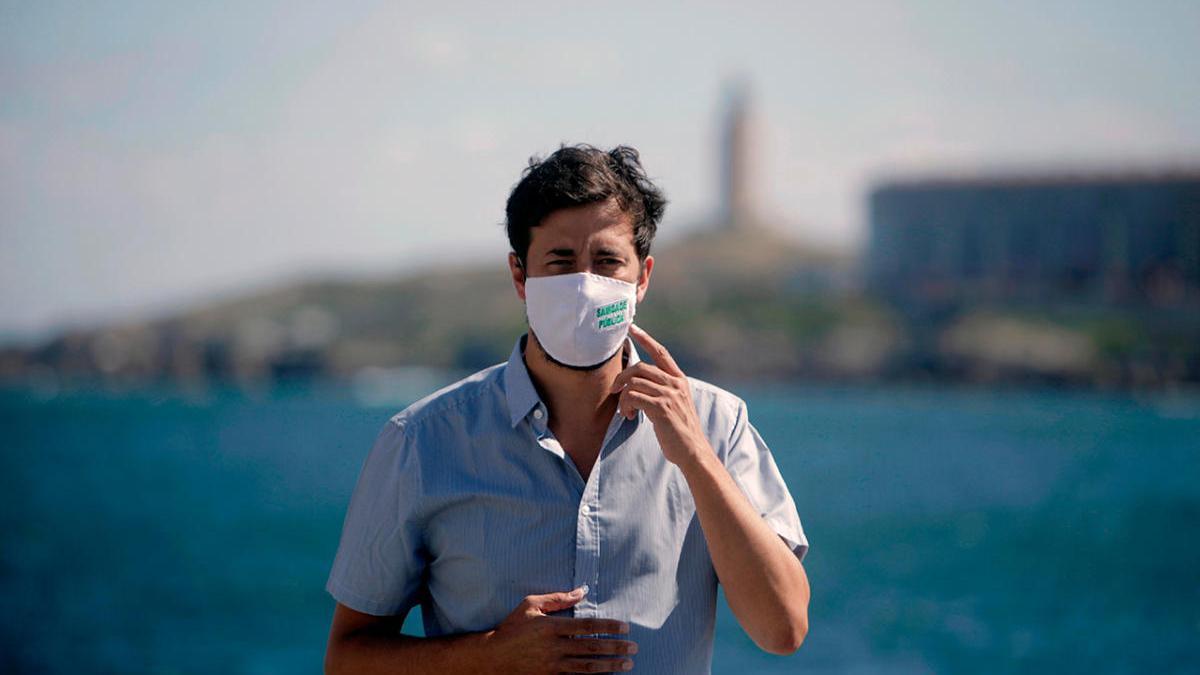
x=713, y=400
x=448, y=401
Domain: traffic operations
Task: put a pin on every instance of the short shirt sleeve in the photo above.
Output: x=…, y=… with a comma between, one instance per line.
x=753, y=468
x=380, y=559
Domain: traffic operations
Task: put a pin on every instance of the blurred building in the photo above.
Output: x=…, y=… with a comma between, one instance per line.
x=1115, y=238
x=738, y=160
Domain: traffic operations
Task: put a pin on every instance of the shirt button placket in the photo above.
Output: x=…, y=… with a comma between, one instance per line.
x=583, y=559
x=594, y=525
x=587, y=551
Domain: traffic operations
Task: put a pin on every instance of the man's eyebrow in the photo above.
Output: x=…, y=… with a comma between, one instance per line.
x=561, y=252
x=608, y=252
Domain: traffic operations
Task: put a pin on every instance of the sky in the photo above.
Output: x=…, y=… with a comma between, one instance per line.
x=157, y=155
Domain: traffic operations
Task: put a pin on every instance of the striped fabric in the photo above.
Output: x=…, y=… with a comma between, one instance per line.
x=466, y=503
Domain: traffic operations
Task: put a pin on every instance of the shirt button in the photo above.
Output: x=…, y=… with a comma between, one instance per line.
x=538, y=414
x=585, y=509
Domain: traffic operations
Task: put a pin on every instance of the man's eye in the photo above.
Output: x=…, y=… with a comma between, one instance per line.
x=610, y=261
x=560, y=262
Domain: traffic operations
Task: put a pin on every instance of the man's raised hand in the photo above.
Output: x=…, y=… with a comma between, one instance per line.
x=663, y=393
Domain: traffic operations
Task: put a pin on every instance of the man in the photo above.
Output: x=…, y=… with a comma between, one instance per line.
x=571, y=510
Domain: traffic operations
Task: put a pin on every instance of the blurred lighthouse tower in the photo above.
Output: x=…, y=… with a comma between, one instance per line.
x=737, y=157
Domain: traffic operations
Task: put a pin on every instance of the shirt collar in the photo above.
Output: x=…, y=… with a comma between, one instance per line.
x=518, y=387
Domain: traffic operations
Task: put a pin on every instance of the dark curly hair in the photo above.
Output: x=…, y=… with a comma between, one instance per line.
x=582, y=174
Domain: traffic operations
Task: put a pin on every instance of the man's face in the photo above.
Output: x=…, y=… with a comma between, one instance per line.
x=596, y=238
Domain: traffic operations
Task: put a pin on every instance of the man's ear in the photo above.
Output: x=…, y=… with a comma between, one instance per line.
x=517, y=270
x=643, y=282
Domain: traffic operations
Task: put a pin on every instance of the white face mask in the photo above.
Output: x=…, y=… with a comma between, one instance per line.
x=580, y=319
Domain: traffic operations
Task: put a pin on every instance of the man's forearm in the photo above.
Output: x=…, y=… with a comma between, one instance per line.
x=373, y=652
x=765, y=584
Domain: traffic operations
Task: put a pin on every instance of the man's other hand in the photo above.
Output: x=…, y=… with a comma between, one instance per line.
x=529, y=641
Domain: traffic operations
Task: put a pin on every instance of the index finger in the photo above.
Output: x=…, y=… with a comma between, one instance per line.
x=570, y=626
x=660, y=354
x=640, y=369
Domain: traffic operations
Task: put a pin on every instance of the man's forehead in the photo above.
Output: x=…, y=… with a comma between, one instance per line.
x=599, y=223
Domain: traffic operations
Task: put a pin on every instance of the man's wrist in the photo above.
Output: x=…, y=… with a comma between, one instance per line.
x=702, y=459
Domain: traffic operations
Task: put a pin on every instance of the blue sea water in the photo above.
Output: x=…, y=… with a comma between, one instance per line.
x=952, y=531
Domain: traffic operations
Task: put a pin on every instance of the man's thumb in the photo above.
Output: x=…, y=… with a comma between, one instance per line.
x=552, y=602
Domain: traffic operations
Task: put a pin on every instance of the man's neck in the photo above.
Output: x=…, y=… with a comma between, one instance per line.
x=574, y=396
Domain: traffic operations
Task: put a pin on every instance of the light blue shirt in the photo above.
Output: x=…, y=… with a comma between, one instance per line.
x=467, y=503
